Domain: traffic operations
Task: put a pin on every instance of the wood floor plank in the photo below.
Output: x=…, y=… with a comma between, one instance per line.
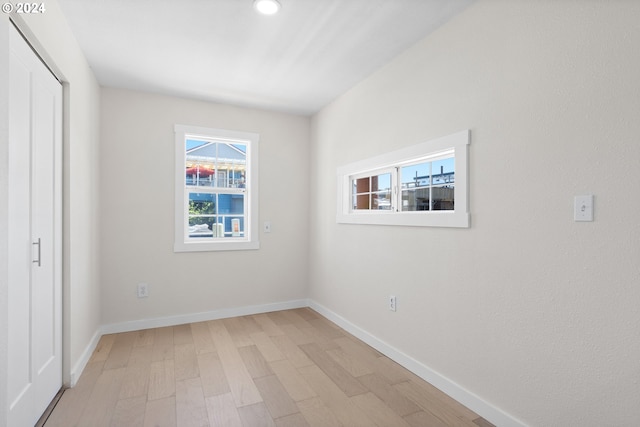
x=317, y=414
x=202, y=338
x=70, y=407
x=144, y=337
x=162, y=382
x=296, y=319
x=129, y=412
x=191, y=410
x=186, y=361
x=239, y=329
x=182, y=334
x=393, y=371
x=275, y=396
x=380, y=414
x=291, y=351
x=481, y=422
x=222, y=411
x=326, y=328
x=254, y=361
x=120, y=351
x=361, y=347
x=345, y=410
x=164, y=335
x=161, y=413
x=319, y=338
x=240, y=382
x=103, y=348
x=442, y=399
x=397, y=401
x=136, y=380
x=103, y=399
x=295, y=420
x=349, y=363
x=297, y=335
x=279, y=317
x=306, y=313
x=256, y=415
x=214, y=382
x=268, y=349
x=267, y=325
x=163, y=344
x=347, y=383
x=422, y=418
x=367, y=356
x=449, y=416
x=293, y=382
x=141, y=355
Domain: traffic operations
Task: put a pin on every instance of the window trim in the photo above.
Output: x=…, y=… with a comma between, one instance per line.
x=251, y=238
x=456, y=143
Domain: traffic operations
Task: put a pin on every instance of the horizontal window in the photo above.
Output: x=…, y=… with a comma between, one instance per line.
x=422, y=185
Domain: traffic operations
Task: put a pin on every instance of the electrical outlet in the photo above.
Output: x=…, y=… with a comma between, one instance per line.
x=392, y=302
x=143, y=290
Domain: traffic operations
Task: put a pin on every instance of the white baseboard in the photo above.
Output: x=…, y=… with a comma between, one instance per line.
x=80, y=364
x=449, y=387
x=159, y=322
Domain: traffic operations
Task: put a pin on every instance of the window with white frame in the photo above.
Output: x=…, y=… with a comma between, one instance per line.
x=216, y=189
x=422, y=185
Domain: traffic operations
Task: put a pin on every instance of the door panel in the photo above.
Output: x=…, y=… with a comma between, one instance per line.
x=35, y=236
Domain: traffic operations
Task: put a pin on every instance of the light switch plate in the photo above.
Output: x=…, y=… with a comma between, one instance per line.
x=583, y=208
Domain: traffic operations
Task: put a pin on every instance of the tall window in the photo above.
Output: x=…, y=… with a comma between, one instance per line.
x=216, y=189
x=421, y=185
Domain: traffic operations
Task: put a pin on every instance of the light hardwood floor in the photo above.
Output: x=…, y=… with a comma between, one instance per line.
x=290, y=368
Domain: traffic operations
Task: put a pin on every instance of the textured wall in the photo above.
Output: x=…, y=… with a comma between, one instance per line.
x=137, y=197
x=531, y=311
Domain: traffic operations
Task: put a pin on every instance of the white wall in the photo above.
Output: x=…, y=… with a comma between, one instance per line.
x=53, y=40
x=137, y=199
x=532, y=312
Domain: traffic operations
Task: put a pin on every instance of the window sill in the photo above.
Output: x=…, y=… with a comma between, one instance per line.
x=215, y=246
x=411, y=219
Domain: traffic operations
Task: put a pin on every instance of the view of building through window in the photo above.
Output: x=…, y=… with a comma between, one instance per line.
x=424, y=186
x=428, y=186
x=215, y=173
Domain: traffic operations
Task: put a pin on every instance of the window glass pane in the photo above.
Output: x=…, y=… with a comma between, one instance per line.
x=443, y=198
x=200, y=162
x=381, y=182
x=215, y=164
x=416, y=175
x=361, y=185
x=231, y=204
x=362, y=201
x=231, y=165
x=444, y=171
x=233, y=226
x=202, y=204
x=202, y=209
x=381, y=200
x=415, y=199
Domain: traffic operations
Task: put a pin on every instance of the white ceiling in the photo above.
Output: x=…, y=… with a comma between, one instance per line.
x=223, y=51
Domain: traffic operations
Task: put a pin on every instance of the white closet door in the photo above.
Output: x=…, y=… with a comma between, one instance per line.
x=35, y=235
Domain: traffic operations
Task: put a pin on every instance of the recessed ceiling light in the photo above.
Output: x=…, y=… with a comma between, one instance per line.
x=267, y=7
